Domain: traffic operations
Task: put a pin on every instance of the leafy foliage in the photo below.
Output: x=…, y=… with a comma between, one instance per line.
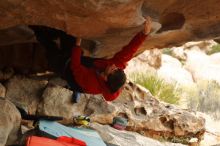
x=158, y=87
x=167, y=51
x=214, y=49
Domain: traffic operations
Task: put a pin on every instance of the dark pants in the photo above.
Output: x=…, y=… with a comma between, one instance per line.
x=58, y=56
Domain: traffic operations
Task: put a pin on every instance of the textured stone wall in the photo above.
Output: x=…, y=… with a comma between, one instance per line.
x=111, y=24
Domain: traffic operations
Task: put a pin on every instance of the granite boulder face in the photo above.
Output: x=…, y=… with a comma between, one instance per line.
x=148, y=116
x=10, y=121
x=111, y=24
x=25, y=92
x=56, y=101
x=127, y=138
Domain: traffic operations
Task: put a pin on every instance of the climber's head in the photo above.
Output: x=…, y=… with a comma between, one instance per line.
x=115, y=78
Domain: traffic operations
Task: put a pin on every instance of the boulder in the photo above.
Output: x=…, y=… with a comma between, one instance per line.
x=212, y=134
x=25, y=92
x=202, y=66
x=167, y=59
x=179, y=53
x=10, y=120
x=215, y=58
x=148, y=61
x=147, y=116
x=122, y=138
x=204, y=46
x=173, y=71
x=56, y=101
x=111, y=24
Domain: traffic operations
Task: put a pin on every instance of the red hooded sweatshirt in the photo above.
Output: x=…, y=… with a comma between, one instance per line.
x=88, y=78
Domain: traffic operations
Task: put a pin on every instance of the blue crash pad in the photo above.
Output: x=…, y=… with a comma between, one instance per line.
x=90, y=137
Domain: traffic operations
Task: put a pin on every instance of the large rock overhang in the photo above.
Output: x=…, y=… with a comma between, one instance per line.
x=111, y=24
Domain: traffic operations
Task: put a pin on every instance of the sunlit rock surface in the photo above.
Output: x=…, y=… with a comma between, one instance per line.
x=173, y=71
x=148, y=61
x=10, y=121
x=57, y=101
x=203, y=66
x=125, y=138
x=146, y=115
x=111, y=24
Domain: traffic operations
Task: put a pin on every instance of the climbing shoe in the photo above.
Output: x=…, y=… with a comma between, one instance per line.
x=81, y=120
x=75, y=97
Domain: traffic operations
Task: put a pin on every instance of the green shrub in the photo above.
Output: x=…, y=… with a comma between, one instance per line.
x=158, y=87
x=167, y=51
x=214, y=49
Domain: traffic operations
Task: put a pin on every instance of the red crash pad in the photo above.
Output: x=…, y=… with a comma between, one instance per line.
x=61, y=141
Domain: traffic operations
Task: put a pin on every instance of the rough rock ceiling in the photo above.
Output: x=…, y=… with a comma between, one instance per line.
x=112, y=23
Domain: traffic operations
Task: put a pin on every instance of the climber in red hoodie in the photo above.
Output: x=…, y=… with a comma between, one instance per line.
x=104, y=76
